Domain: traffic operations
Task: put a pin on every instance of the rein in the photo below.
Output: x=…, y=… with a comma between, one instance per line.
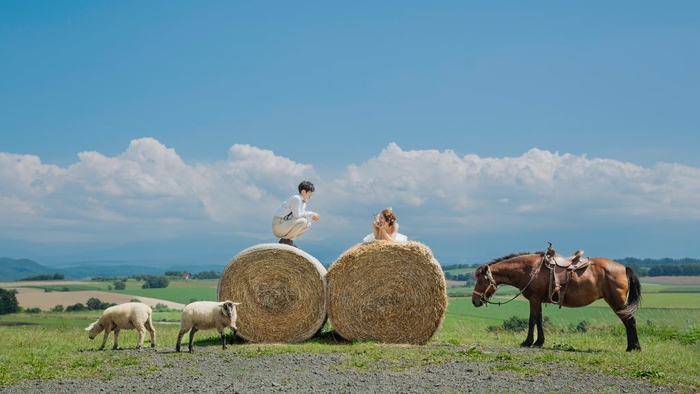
x=492, y=283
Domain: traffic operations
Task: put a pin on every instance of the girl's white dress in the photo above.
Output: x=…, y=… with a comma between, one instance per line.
x=398, y=238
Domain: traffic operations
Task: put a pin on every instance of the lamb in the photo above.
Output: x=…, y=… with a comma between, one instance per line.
x=207, y=315
x=127, y=316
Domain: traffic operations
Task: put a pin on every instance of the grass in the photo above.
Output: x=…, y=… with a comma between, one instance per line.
x=28, y=354
x=55, y=345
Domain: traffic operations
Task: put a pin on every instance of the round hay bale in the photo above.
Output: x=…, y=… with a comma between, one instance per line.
x=282, y=291
x=391, y=292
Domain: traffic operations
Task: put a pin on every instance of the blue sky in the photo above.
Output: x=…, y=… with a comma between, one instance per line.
x=490, y=127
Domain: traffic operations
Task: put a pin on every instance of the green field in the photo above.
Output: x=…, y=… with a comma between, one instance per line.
x=178, y=291
x=668, y=323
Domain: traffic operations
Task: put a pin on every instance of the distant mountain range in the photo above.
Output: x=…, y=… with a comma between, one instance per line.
x=11, y=269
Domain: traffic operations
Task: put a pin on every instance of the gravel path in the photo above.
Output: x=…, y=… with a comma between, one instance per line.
x=211, y=370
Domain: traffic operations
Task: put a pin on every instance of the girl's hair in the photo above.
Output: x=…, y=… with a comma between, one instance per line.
x=389, y=216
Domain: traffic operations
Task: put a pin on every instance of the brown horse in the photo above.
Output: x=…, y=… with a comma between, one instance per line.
x=529, y=272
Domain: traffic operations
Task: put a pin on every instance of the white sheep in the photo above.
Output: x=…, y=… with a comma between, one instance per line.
x=127, y=316
x=207, y=315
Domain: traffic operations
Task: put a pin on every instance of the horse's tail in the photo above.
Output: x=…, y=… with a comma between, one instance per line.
x=634, y=297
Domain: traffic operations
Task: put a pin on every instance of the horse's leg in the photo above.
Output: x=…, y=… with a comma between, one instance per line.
x=632, y=338
x=535, y=319
x=530, y=327
x=625, y=311
x=540, y=330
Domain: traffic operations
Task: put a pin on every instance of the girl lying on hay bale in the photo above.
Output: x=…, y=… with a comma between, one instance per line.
x=385, y=228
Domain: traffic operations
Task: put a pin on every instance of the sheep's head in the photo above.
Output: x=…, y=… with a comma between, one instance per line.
x=94, y=329
x=228, y=308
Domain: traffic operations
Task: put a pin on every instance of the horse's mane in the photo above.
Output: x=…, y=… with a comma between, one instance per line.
x=510, y=256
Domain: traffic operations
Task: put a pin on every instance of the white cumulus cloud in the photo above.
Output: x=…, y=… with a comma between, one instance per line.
x=539, y=185
x=149, y=190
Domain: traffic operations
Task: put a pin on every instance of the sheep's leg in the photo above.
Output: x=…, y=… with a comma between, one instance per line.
x=179, y=339
x=152, y=330
x=223, y=339
x=233, y=334
x=116, y=339
x=142, y=336
x=104, y=340
x=192, y=331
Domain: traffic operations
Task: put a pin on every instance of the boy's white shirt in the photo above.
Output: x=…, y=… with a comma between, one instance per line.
x=296, y=206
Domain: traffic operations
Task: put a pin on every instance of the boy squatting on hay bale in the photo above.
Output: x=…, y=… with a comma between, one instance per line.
x=291, y=219
x=207, y=315
x=127, y=316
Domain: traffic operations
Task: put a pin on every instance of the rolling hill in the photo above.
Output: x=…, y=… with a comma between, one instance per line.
x=14, y=269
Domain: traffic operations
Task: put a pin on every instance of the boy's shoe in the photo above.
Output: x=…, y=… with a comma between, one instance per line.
x=287, y=241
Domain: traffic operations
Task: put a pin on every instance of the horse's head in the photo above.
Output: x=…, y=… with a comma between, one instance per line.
x=485, y=286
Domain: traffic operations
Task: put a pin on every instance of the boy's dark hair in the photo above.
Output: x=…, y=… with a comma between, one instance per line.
x=306, y=185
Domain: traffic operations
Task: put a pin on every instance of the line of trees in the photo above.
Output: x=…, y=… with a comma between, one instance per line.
x=652, y=262
x=663, y=267
x=201, y=275
x=206, y=275
x=675, y=270
x=55, y=276
x=150, y=281
x=92, y=304
x=154, y=283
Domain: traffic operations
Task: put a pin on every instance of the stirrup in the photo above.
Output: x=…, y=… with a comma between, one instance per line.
x=556, y=294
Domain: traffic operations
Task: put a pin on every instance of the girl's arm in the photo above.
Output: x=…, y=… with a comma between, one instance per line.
x=388, y=233
x=376, y=230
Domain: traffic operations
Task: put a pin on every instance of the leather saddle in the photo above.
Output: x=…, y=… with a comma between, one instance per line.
x=562, y=268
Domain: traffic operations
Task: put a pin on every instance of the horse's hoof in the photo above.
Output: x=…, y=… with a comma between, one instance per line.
x=525, y=344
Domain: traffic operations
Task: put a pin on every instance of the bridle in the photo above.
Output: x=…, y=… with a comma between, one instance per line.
x=492, y=283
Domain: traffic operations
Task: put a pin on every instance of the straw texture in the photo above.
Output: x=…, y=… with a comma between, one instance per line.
x=391, y=292
x=282, y=291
